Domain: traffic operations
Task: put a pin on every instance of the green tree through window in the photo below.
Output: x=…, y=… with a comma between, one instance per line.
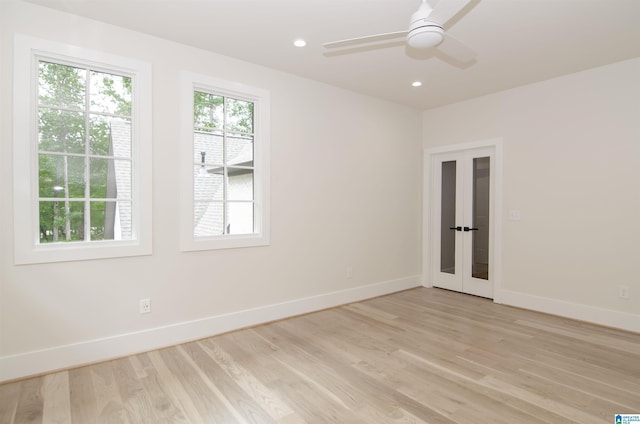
x=84, y=154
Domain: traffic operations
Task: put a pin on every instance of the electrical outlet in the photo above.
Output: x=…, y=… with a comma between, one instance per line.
x=145, y=306
x=349, y=272
x=623, y=292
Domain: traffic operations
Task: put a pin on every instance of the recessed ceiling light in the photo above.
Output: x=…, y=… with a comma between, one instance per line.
x=416, y=83
x=299, y=43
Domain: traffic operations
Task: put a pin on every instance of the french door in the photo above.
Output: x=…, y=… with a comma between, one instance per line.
x=461, y=230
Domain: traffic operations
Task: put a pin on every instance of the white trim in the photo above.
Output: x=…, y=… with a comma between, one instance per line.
x=189, y=82
x=429, y=153
x=460, y=147
x=577, y=311
x=497, y=221
x=62, y=357
x=27, y=250
x=426, y=218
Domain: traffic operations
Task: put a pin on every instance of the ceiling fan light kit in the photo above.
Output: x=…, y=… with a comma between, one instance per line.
x=425, y=37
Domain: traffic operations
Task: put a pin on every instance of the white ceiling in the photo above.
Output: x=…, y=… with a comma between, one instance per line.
x=517, y=41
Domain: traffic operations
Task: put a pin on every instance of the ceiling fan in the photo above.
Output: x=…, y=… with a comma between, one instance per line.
x=425, y=31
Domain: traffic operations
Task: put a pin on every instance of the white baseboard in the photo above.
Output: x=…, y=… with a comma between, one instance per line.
x=601, y=316
x=68, y=356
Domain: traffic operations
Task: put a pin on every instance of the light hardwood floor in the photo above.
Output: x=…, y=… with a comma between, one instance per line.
x=419, y=356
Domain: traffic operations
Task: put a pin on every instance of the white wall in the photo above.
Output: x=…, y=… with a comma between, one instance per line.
x=572, y=167
x=345, y=192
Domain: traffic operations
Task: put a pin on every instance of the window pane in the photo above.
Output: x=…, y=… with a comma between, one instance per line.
x=61, y=176
x=61, y=85
x=239, y=116
x=61, y=131
x=120, y=137
x=239, y=150
x=240, y=184
x=110, y=93
x=61, y=220
x=212, y=146
x=208, y=183
x=49, y=182
x=110, y=179
x=208, y=219
x=111, y=221
x=102, y=179
x=99, y=135
x=240, y=218
x=207, y=111
x=110, y=136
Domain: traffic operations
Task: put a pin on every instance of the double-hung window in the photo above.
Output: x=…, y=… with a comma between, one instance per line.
x=225, y=126
x=81, y=139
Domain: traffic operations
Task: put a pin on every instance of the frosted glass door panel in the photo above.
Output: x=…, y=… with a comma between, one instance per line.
x=448, y=218
x=480, y=229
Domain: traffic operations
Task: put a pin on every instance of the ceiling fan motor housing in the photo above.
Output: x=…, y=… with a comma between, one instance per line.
x=424, y=33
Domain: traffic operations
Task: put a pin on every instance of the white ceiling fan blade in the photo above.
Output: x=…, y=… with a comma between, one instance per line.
x=446, y=9
x=456, y=49
x=366, y=39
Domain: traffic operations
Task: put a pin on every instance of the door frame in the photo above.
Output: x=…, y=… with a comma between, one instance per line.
x=428, y=212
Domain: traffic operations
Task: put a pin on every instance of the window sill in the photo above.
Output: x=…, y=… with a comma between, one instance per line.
x=224, y=242
x=65, y=252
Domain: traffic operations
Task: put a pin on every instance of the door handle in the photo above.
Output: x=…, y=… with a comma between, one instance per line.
x=470, y=229
x=456, y=228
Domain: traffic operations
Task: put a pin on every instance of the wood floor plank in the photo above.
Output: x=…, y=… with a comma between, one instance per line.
x=166, y=406
x=30, y=406
x=9, y=395
x=109, y=403
x=82, y=397
x=245, y=393
x=57, y=400
x=307, y=397
x=206, y=399
x=192, y=353
x=596, y=338
x=417, y=356
x=444, y=389
x=373, y=391
x=171, y=384
x=248, y=382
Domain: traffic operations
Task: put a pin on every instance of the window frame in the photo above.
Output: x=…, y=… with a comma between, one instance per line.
x=190, y=83
x=28, y=52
